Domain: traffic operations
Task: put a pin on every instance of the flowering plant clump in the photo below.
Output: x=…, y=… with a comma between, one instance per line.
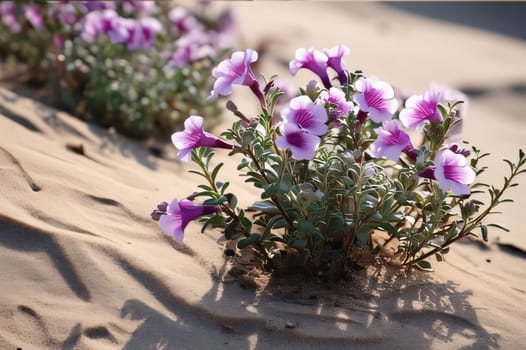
x=348, y=176
x=139, y=66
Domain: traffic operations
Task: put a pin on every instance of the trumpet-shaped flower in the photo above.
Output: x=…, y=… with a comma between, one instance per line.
x=142, y=32
x=335, y=61
x=301, y=143
x=336, y=102
x=313, y=60
x=184, y=20
x=306, y=115
x=178, y=214
x=377, y=98
x=234, y=71
x=453, y=172
x=194, y=136
x=8, y=16
x=33, y=15
x=391, y=141
x=106, y=22
x=420, y=110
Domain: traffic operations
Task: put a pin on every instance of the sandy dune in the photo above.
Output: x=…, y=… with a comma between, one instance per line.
x=83, y=266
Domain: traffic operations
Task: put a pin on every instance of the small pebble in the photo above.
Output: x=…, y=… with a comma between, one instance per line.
x=290, y=324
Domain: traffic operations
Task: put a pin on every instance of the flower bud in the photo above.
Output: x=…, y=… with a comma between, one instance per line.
x=156, y=215
x=163, y=206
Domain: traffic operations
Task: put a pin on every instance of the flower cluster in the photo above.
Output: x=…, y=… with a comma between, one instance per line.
x=346, y=170
x=139, y=66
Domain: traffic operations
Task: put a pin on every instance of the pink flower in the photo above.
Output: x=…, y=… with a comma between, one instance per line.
x=138, y=7
x=377, y=98
x=302, y=143
x=33, y=15
x=106, y=22
x=184, y=20
x=335, y=61
x=453, y=173
x=313, y=60
x=142, y=32
x=391, y=141
x=194, y=136
x=237, y=71
x=8, y=15
x=337, y=104
x=174, y=217
x=182, y=57
x=91, y=5
x=306, y=115
x=420, y=110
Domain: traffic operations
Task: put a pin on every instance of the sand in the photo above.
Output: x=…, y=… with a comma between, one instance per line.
x=84, y=267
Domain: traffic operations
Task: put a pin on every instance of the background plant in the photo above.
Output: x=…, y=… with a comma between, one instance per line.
x=138, y=66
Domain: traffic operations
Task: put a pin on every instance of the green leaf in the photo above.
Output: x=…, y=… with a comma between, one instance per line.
x=424, y=265
x=267, y=207
x=484, y=231
x=299, y=244
x=244, y=221
x=214, y=221
x=245, y=242
x=215, y=201
x=363, y=236
x=279, y=222
x=215, y=171
x=439, y=257
x=389, y=228
x=269, y=191
x=232, y=200
x=205, y=187
x=499, y=227
x=442, y=110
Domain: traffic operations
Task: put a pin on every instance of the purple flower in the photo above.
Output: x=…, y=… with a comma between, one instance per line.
x=335, y=61
x=391, y=141
x=182, y=57
x=194, y=136
x=33, y=15
x=8, y=15
x=302, y=143
x=420, y=110
x=142, y=33
x=313, y=60
x=377, y=98
x=453, y=173
x=116, y=28
x=236, y=71
x=140, y=7
x=91, y=5
x=306, y=115
x=65, y=13
x=178, y=214
x=192, y=46
x=337, y=104
x=226, y=30
x=183, y=20
x=106, y=22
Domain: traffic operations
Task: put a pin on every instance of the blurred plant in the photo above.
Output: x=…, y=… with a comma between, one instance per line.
x=139, y=66
x=341, y=176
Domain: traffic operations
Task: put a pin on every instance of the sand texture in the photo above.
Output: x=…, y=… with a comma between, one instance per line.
x=84, y=267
